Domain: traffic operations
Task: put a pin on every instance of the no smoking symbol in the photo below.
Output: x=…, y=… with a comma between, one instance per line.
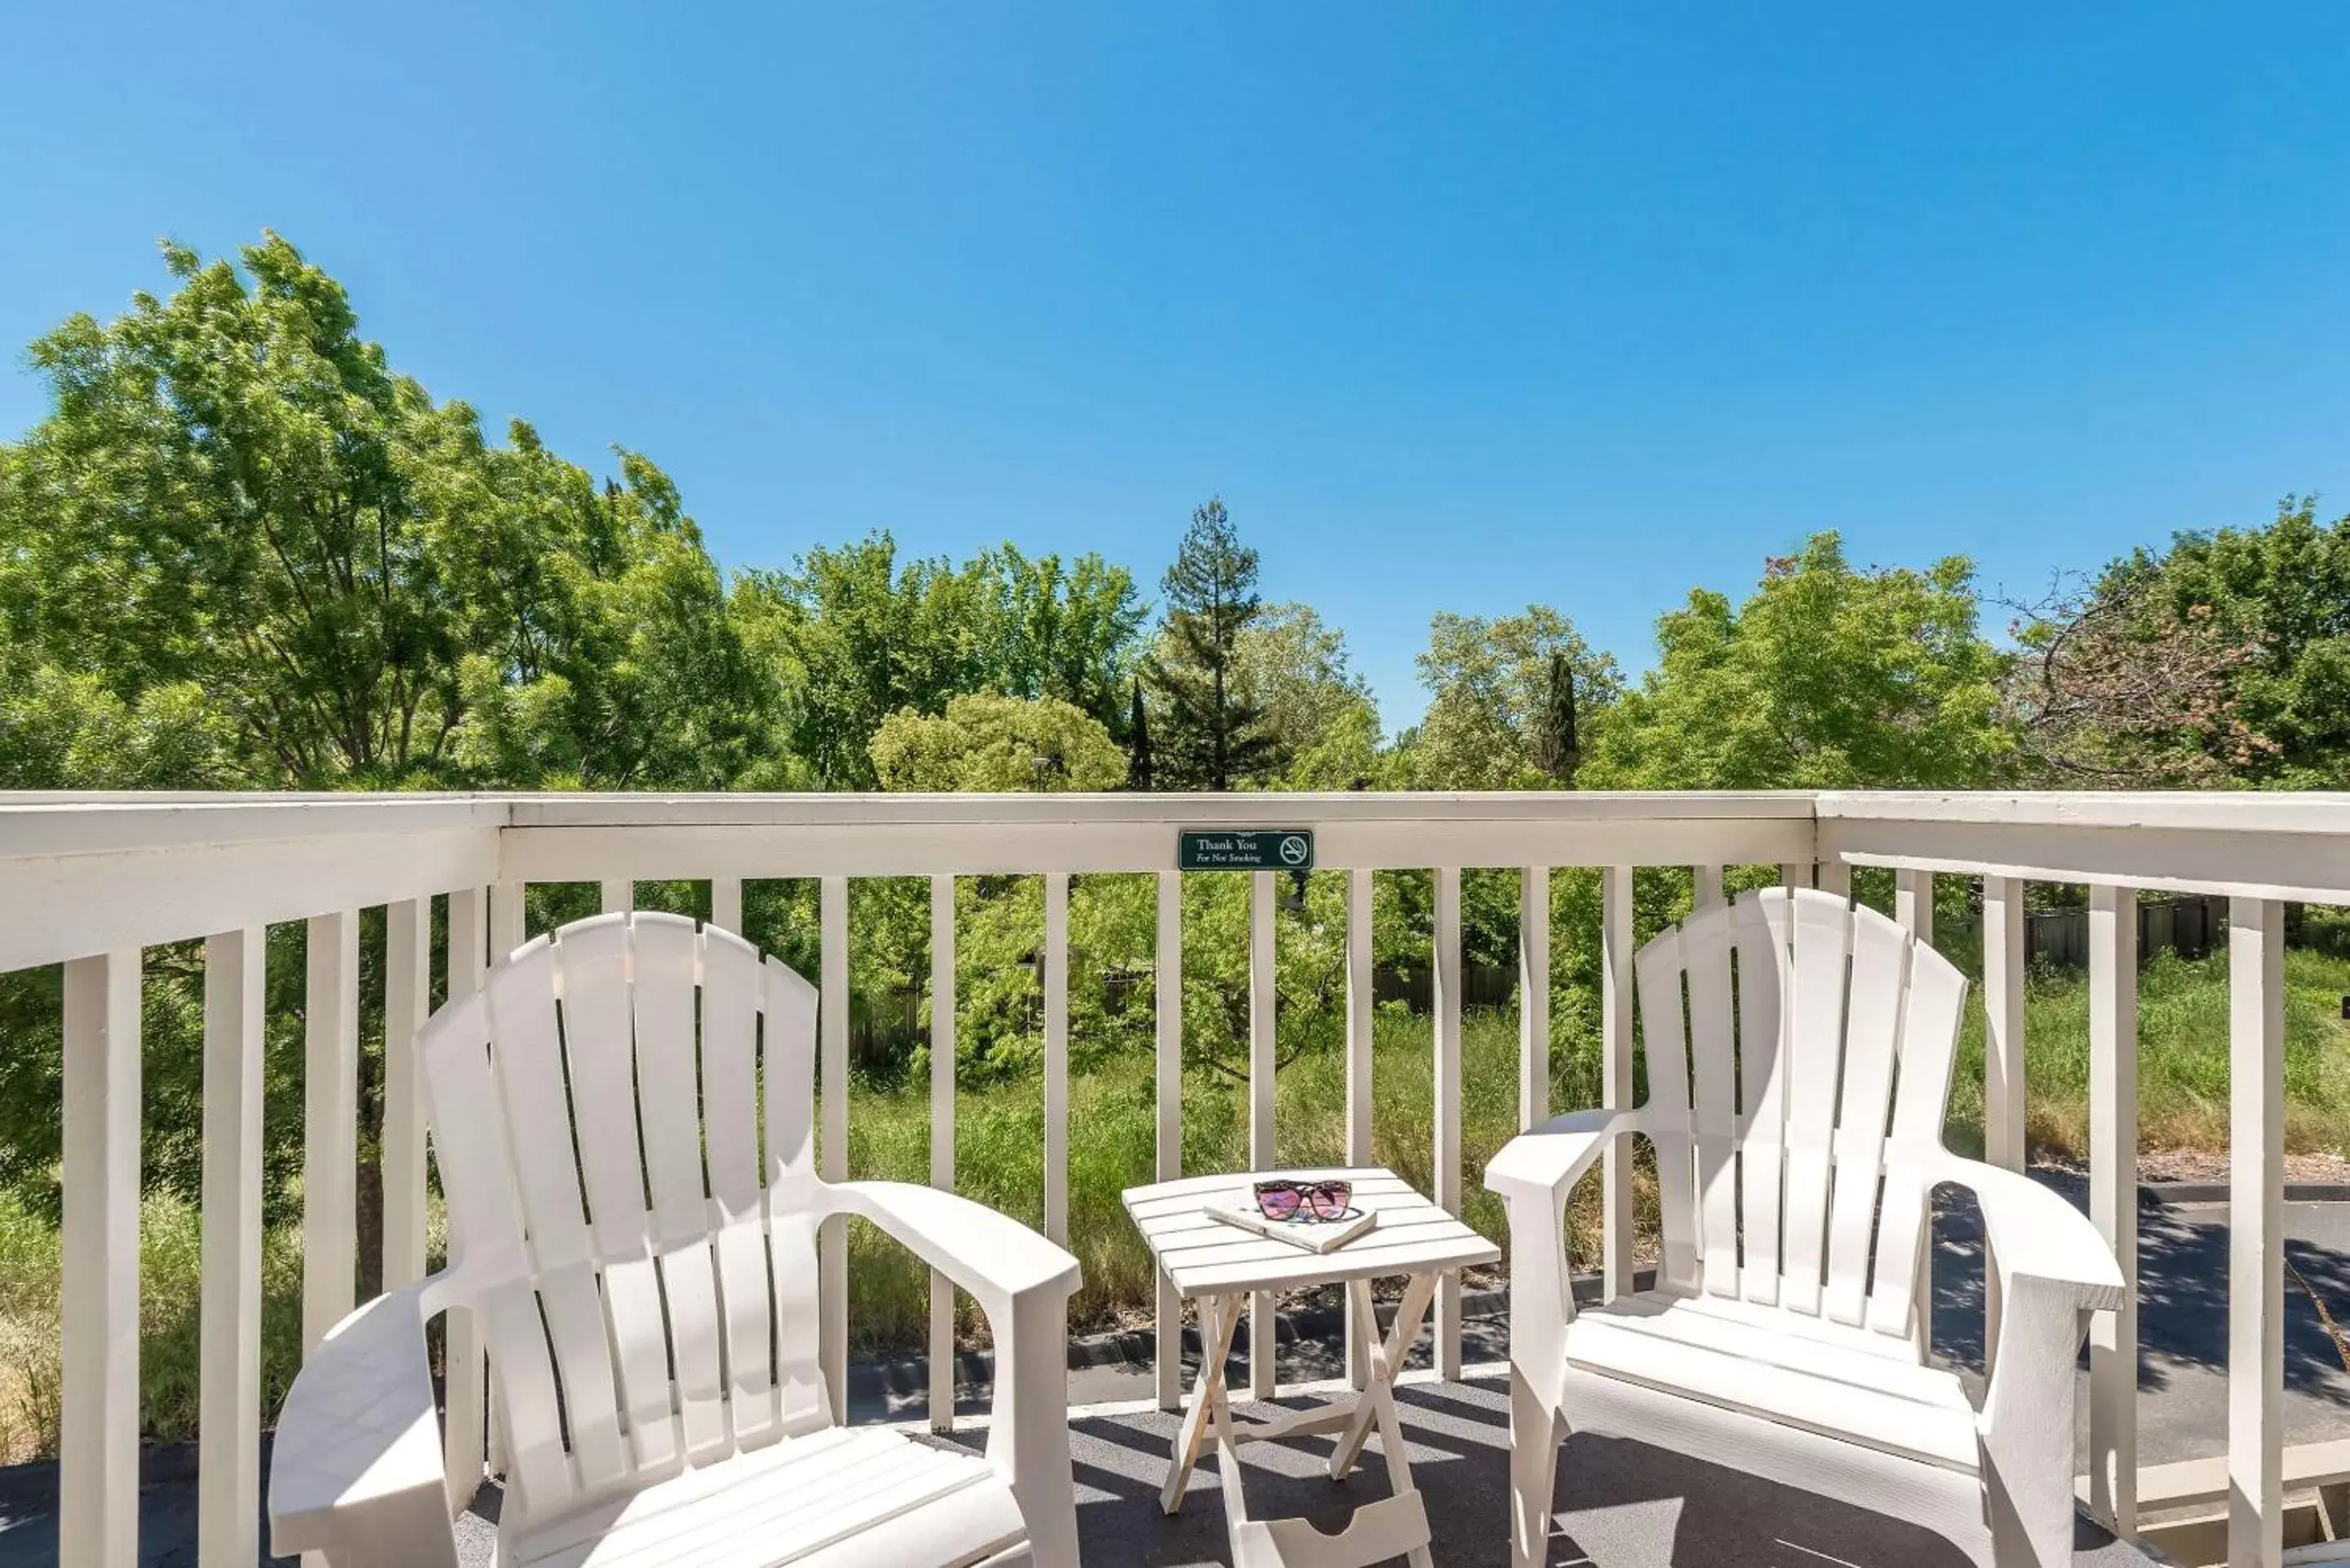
x=1294, y=849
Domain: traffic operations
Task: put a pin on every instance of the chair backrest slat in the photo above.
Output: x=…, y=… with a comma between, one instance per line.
x=1797, y=1097
x=1762, y=934
x=644, y=1269
x=1665, y=1047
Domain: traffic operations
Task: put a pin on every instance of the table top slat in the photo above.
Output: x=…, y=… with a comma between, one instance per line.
x=1205, y=1256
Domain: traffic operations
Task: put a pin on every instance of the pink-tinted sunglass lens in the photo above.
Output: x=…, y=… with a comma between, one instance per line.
x=1277, y=1202
x=1330, y=1200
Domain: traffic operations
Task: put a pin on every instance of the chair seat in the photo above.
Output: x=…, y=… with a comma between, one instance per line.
x=839, y=1498
x=1802, y=1372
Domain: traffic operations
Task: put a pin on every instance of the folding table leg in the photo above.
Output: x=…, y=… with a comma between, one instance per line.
x=1219, y=1318
x=1386, y=1360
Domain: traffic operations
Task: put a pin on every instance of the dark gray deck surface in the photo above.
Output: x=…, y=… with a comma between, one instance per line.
x=1621, y=1503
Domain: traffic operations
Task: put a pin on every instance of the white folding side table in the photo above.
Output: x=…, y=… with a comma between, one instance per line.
x=1217, y=1265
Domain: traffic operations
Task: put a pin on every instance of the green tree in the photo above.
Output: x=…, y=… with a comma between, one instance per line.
x=1825, y=677
x=1292, y=667
x=1137, y=741
x=990, y=744
x=853, y=636
x=1211, y=737
x=1491, y=715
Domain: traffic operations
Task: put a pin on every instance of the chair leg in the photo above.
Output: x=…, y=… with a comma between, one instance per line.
x=1536, y=1430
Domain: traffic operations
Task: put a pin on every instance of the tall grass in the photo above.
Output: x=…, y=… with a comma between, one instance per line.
x=1000, y=1161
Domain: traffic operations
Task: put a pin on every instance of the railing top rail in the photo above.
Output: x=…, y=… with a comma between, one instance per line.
x=2216, y=811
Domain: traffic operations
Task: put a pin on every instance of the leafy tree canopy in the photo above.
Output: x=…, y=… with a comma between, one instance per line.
x=993, y=745
x=1491, y=719
x=1828, y=677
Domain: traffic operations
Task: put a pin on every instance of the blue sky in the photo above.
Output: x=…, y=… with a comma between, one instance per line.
x=1458, y=308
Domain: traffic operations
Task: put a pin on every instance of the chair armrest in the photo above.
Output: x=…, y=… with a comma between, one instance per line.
x=992, y=1256
x=1023, y=1283
x=1534, y=1173
x=355, y=1471
x=1548, y=1160
x=2036, y=1236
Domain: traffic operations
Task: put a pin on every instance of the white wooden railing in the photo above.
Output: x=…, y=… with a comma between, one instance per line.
x=89, y=881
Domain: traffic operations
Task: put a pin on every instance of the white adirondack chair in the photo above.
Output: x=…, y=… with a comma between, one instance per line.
x=656, y=1358
x=1782, y=1336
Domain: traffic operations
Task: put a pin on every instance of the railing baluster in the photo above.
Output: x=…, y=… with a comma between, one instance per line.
x=1360, y=1004
x=1262, y=1001
x=2113, y=1201
x=2003, y=1103
x=2255, y=1232
x=1168, y=1163
x=943, y=1131
x=1913, y=903
x=464, y=1427
x=616, y=895
x=330, y=1113
x=407, y=999
x=1835, y=877
x=1447, y=981
x=726, y=903
x=97, y=1438
x=832, y=1239
x=1057, y=1056
x=228, y=1408
x=1534, y=996
x=1705, y=887
x=1616, y=1075
x=1795, y=873
x=508, y=920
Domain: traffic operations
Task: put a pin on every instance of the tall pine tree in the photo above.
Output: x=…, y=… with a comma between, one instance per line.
x=1211, y=737
x=1138, y=742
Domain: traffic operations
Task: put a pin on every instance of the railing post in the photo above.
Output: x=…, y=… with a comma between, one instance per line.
x=1359, y=1014
x=2255, y=1232
x=616, y=895
x=942, y=1129
x=1168, y=1154
x=2112, y=1202
x=1705, y=887
x=1057, y=1056
x=1264, y=1000
x=97, y=1439
x=509, y=910
x=1835, y=877
x=1534, y=996
x=407, y=1000
x=2004, y=1101
x=331, y=1115
x=1446, y=972
x=1795, y=873
x=726, y=903
x=1616, y=1075
x=464, y=1423
x=832, y=1239
x=228, y=1409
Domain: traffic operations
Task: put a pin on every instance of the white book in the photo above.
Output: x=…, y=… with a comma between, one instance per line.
x=1240, y=1210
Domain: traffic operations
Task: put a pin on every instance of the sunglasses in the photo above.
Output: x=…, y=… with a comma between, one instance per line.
x=1281, y=1199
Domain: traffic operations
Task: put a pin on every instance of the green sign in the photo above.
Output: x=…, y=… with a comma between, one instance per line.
x=1244, y=849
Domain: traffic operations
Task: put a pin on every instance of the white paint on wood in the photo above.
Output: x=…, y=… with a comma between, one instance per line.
x=616, y=894
x=1705, y=887
x=726, y=903
x=330, y=1113
x=2004, y=1049
x=943, y=1057
x=97, y=1438
x=1446, y=972
x=2113, y=1201
x=832, y=1082
x=1264, y=1002
x=1835, y=877
x=407, y=1002
x=1533, y=997
x=2255, y=1232
x=1795, y=874
x=1057, y=1056
x=1168, y=1152
x=465, y=1428
x=1913, y=903
x=1361, y=1009
x=1615, y=989
x=228, y=1414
